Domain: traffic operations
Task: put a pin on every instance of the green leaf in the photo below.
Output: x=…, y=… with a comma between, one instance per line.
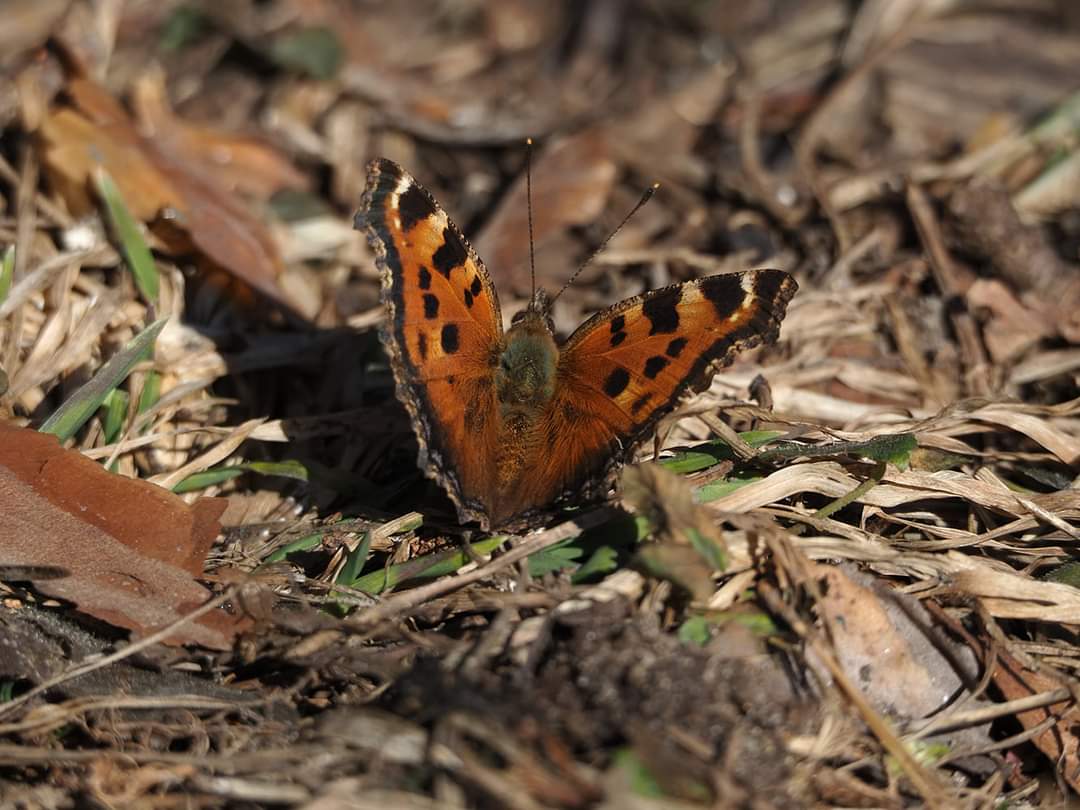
x=642, y=782
x=1067, y=574
x=132, y=243
x=315, y=52
x=429, y=566
x=695, y=630
x=289, y=468
x=7, y=272
x=151, y=392
x=208, y=478
x=116, y=407
x=845, y=500
x=555, y=558
x=354, y=563
x=66, y=420
x=705, y=455
x=183, y=27
x=718, y=489
x=603, y=561
x=305, y=543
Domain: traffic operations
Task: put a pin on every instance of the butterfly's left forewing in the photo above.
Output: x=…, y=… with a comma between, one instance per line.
x=443, y=331
x=628, y=366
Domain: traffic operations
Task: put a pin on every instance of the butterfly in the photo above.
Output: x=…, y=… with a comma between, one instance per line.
x=512, y=424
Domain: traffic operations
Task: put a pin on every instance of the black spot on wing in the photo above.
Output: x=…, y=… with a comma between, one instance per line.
x=468, y=299
x=449, y=338
x=421, y=345
x=451, y=253
x=476, y=286
x=725, y=293
x=674, y=349
x=413, y=205
x=640, y=403
x=425, y=278
x=662, y=310
x=618, y=330
x=431, y=306
x=654, y=365
x=616, y=382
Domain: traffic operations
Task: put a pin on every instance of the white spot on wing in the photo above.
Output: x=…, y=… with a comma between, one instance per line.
x=747, y=284
x=402, y=186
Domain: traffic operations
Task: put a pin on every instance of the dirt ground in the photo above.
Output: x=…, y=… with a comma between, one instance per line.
x=843, y=575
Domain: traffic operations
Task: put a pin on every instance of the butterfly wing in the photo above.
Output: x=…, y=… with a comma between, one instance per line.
x=443, y=331
x=628, y=366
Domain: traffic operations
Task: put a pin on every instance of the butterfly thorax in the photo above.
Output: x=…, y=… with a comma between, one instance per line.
x=525, y=377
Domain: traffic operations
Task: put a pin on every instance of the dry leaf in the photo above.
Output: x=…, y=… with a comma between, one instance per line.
x=1058, y=742
x=1011, y=328
x=133, y=550
x=689, y=548
x=199, y=212
x=571, y=182
x=235, y=162
x=890, y=651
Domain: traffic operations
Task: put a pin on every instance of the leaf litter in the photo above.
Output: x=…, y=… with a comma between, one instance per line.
x=844, y=580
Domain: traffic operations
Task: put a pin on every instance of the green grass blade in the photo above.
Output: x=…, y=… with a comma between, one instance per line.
x=305, y=543
x=354, y=563
x=429, y=566
x=7, y=271
x=116, y=406
x=151, y=392
x=66, y=420
x=208, y=478
x=288, y=468
x=132, y=243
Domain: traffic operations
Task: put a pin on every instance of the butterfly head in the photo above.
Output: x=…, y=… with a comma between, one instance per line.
x=538, y=312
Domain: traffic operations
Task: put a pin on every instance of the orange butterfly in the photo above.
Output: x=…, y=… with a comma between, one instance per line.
x=512, y=423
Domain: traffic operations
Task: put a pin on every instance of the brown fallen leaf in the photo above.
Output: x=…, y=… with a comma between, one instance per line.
x=886, y=643
x=1059, y=742
x=571, y=182
x=27, y=25
x=158, y=182
x=1011, y=328
x=133, y=550
x=235, y=162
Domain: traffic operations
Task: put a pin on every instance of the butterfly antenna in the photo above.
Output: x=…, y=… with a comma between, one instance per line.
x=528, y=206
x=644, y=199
